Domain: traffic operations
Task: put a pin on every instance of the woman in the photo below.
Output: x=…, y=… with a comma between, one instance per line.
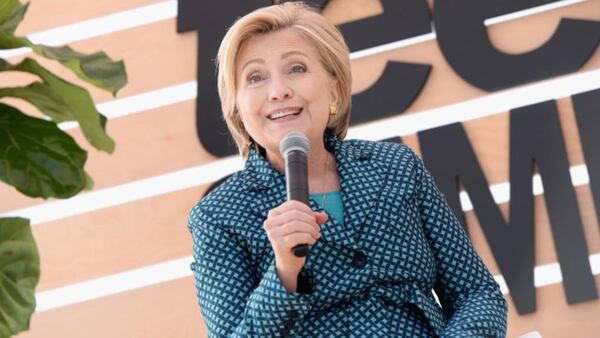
x=381, y=234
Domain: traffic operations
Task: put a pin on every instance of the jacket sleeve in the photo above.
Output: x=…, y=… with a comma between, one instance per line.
x=233, y=300
x=471, y=299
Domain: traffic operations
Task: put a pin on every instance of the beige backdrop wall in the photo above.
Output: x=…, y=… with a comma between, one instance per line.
x=115, y=261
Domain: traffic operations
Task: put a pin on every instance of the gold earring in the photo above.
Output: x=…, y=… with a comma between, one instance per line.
x=332, y=110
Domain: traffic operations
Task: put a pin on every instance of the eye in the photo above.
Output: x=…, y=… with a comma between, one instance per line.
x=298, y=69
x=254, y=78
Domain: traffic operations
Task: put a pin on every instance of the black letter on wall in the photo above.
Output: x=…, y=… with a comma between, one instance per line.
x=448, y=155
x=393, y=93
x=466, y=46
x=587, y=112
x=535, y=136
x=211, y=20
x=401, y=82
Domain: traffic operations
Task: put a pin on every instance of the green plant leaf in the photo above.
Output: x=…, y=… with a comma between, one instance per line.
x=96, y=68
x=7, y=7
x=62, y=101
x=37, y=158
x=19, y=275
x=89, y=181
x=43, y=97
x=8, y=41
x=15, y=18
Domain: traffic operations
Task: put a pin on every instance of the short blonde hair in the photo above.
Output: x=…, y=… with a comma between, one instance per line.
x=305, y=20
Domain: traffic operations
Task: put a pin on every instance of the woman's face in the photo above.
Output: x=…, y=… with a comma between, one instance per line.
x=283, y=87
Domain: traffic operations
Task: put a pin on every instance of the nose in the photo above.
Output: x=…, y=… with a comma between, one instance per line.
x=279, y=89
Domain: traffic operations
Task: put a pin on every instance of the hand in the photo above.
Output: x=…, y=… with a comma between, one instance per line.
x=288, y=225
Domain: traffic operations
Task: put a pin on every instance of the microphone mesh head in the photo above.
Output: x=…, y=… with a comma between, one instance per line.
x=294, y=141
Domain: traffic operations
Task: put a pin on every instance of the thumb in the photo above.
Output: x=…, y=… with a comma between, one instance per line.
x=321, y=217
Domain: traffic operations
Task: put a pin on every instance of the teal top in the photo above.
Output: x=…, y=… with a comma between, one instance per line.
x=333, y=204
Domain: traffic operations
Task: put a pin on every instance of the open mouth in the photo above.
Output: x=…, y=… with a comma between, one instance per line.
x=284, y=113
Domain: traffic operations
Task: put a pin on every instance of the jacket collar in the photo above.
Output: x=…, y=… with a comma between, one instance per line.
x=360, y=180
x=259, y=174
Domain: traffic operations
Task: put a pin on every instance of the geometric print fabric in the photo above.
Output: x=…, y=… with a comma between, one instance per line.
x=369, y=277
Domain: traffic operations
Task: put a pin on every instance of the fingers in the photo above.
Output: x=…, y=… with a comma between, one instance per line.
x=289, y=205
x=288, y=225
x=298, y=216
x=290, y=211
x=292, y=218
x=296, y=238
x=283, y=226
x=321, y=217
x=294, y=227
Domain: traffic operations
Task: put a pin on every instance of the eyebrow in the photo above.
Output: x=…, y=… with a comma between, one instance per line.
x=283, y=56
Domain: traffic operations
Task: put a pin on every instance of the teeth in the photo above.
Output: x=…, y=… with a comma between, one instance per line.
x=284, y=113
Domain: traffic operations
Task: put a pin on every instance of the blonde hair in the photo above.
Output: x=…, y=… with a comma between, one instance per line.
x=310, y=24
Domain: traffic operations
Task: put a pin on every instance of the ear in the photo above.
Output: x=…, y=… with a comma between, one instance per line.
x=334, y=92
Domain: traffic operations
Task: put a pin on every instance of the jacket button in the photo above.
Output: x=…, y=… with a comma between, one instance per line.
x=359, y=260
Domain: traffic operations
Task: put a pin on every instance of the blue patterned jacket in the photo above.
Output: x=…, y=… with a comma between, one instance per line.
x=370, y=277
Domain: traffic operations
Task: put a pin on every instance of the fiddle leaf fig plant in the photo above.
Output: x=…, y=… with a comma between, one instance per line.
x=37, y=157
x=19, y=274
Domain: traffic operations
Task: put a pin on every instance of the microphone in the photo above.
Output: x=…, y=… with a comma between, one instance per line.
x=294, y=148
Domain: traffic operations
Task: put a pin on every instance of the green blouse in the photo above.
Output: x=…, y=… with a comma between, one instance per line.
x=333, y=204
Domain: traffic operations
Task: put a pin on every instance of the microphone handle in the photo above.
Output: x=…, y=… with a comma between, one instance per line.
x=297, y=187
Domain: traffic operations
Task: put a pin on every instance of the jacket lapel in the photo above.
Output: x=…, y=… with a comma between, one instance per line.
x=361, y=181
x=333, y=232
x=266, y=181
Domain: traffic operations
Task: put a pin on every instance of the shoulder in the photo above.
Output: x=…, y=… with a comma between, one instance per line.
x=394, y=163
x=391, y=153
x=217, y=205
